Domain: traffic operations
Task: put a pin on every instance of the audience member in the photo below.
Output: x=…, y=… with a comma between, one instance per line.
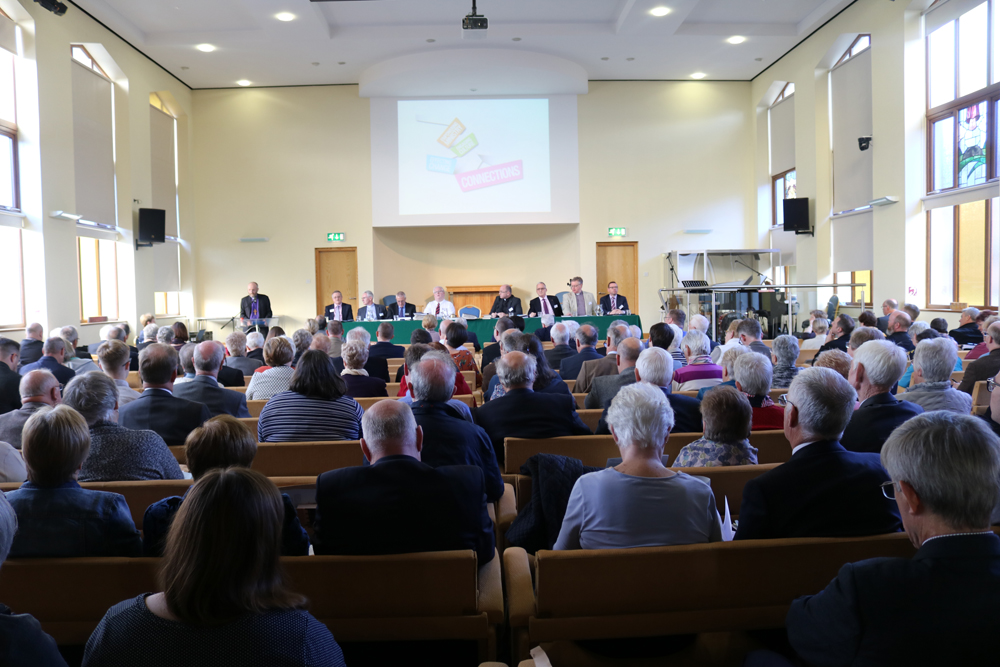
x=823, y=490
x=728, y=418
x=888, y=307
x=639, y=502
x=255, y=346
x=911, y=310
x=54, y=353
x=750, y=333
x=897, y=331
x=221, y=442
x=399, y=504
x=12, y=469
x=164, y=335
x=837, y=360
x=181, y=336
x=918, y=336
x=31, y=347
x=867, y=319
x=522, y=412
x=654, y=367
x=933, y=364
x=236, y=343
x=185, y=359
x=732, y=339
x=862, y=335
x=414, y=354
x=354, y=375
x=454, y=337
x=322, y=343
x=57, y=518
x=784, y=355
x=220, y=598
x=839, y=335
x=878, y=365
x=698, y=323
x=491, y=352
x=274, y=332
x=204, y=388
x=383, y=346
x=726, y=362
x=983, y=323
x=938, y=607
x=560, y=346
x=117, y=454
x=10, y=380
x=144, y=321
x=968, y=332
x=547, y=381
x=147, y=336
x=376, y=367
x=115, y=360
x=301, y=339
x=606, y=387
x=699, y=371
x=448, y=438
x=335, y=333
x=277, y=376
x=676, y=317
x=676, y=350
x=315, y=407
x=157, y=409
x=38, y=389
x=753, y=378
x=606, y=365
x=986, y=366
x=430, y=323
x=78, y=359
x=819, y=326
x=586, y=344
x=940, y=325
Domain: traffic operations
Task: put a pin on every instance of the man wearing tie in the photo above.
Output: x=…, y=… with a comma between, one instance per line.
x=338, y=310
x=439, y=306
x=255, y=306
x=506, y=304
x=370, y=311
x=612, y=302
x=401, y=308
x=544, y=304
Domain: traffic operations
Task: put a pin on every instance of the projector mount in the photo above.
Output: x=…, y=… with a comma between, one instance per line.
x=475, y=21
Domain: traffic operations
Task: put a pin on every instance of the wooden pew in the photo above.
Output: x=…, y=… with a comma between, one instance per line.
x=590, y=418
x=255, y=407
x=251, y=423
x=580, y=398
x=470, y=378
x=957, y=376
x=966, y=362
x=622, y=597
x=980, y=398
x=570, y=384
x=805, y=356
x=283, y=459
x=133, y=380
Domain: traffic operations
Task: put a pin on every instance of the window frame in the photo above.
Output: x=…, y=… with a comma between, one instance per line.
x=956, y=259
x=848, y=54
x=774, y=199
x=20, y=260
x=97, y=267
x=854, y=302
x=166, y=301
x=785, y=93
x=94, y=66
x=9, y=129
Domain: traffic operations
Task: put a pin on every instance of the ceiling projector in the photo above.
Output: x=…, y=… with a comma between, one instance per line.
x=474, y=25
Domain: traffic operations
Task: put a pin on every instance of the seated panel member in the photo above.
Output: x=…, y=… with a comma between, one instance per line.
x=505, y=304
x=613, y=303
x=399, y=504
x=439, y=306
x=401, y=308
x=370, y=311
x=544, y=304
x=338, y=310
x=576, y=302
x=939, y=607
x=255, y=306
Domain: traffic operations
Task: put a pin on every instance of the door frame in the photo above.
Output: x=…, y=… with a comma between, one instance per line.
x=634, y=305
x=320, y=298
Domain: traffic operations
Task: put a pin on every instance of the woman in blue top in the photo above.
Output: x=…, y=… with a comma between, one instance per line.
x=224, y=599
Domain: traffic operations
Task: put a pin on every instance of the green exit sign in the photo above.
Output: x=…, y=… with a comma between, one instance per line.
x=335, y=236
x=616, y=231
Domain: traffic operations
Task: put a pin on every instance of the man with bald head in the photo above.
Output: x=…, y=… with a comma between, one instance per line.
x=505, y=304
x=255, y=306
x=38, y=389
x=889, y=306
x=157, y=409
x=400, y=504
x=204, y=387
x=522, y=412
x=608, y=365
x=605, y=387
x=31, y=347
x=896, y=330
x=54, y=354
x=561, y=349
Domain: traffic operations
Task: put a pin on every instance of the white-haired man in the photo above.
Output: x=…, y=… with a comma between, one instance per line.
x=930, y=384
x=701, y=323
x=968, y=332
x=204, y=387
x=236, y=343
x=369, y=311
x=560, y=335
x=439, y=306
x=823, y=490
x=937, y=607
x=52, y=361
x=31, y=347
x=753, y=374
x=544, y=333
x=877, y=367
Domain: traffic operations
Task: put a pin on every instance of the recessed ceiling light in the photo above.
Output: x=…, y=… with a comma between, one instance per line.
x=736, y=39
x=515, y=39
x=183, y=68
x=605, y=58
x=630, y=59
x=243, y=82
x=698, y=75
x=315, y=64
x=473, y=89
x=431, y=41
x=285, y=16
x=341, y=63
x=659, y=11
x=206, y=48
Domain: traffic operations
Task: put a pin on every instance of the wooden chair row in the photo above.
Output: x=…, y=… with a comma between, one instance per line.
x=470, y=377
x=774, y=393
x=279, y=459
x=980, y=398
x=255, y=407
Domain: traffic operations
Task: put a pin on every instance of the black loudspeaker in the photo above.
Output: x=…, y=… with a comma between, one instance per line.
x=796, y=214
x=152, y=225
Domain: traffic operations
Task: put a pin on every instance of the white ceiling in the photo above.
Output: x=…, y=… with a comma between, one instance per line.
x=335, y=42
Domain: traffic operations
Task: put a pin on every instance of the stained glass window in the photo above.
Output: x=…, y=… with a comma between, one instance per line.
x=783, y=187
x=972, y=133
x=790, y=185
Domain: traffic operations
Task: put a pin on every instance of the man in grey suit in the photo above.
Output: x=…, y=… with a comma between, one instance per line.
x=335, y=332
x=605, y=387
x=205, y=389
x=236, y=343
x=38, y=389
x=369, y=310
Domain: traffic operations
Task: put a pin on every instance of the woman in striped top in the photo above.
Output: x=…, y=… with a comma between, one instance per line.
x=315, y=408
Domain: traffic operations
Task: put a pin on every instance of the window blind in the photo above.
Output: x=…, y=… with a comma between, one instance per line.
x=852, y=243
x=8, y=35
x=948, y=11
x=93, y=146
x=851, y=85
x=781, y=119
x=166, y=273
x=161, y=150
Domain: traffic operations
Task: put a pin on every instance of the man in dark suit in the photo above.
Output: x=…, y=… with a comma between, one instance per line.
x=523, y=413
x=492, y=352
x=255, y=306
x=401, y=308
x=877, y=367
x=448, y=438
x=116, y=332
x=968, y=332
x=586, y=340
x=823, y=490
x=605, y=387
x=544, y=333
x=899, y=324
x=157, y=409
x=888, y=306
x=613, y=303
x=52, y=361
x=939, y=607
x=204, y=388
x=505, y=304
x=338, y=310
x=255, y=346
x=561, y=349
x=231, y=377
x=399, y=504
x=369, y=310
x=354, y=355
x=376, y=367
x=841, y=331
x=31, y=347
x=543, y=304
x=383, y=346
x=606, y=365
x=986, y=366
x=10, y=380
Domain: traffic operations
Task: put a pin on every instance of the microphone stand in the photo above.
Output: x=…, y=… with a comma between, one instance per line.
x=765, y=278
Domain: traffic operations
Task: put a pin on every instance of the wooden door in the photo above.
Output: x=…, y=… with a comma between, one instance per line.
x=336, y=269
x=619, y=262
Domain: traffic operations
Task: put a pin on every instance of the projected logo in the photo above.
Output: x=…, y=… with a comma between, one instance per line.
x=472, y=169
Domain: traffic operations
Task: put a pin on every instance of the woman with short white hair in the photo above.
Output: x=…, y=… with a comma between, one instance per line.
x=675, y=346
x=820, y=326
x=699, y=371
x=640, y=502
x=933, y=364
x=784, y=354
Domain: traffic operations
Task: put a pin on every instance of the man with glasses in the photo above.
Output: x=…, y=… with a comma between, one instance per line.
x=823, y=490
x=543, y=304
x=941, y=606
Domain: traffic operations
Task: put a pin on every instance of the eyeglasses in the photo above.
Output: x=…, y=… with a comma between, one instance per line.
x=889, y=489
x=783, y=401
x=990, y=383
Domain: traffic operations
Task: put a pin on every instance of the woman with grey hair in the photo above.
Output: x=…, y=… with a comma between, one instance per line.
x=917, y=336
x=354, y=375
x=784, y=354
x=117, y=454
x=640, y=502
x=164, y=335
x=301, y=339
x=933, y=361
x=728, y=418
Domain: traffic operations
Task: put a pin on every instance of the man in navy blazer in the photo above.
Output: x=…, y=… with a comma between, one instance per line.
x=448, y=438
x=523, y=413
x=561, y=349
x=401, y=308
x=877, y=367
x=942, y=606
x=823, y=490
x=383, y=347
x=52, y=361
x=157, y=409
x=399, y=504
x=204, y=388
x=613, y=303
x=586, y=342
